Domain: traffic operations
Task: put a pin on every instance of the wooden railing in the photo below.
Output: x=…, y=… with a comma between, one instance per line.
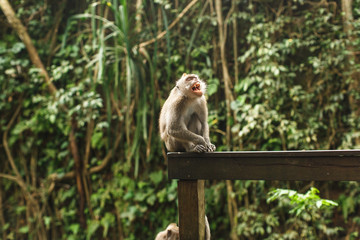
x=191, y=169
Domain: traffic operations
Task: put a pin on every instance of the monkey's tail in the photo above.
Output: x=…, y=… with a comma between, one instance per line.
x=207, y=229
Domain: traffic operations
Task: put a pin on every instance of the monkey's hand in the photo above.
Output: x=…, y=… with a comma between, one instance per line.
x=199, y=146
x=210, y=147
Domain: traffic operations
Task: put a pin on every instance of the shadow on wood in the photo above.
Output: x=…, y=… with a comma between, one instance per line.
x=192, y=168
x=331, y=165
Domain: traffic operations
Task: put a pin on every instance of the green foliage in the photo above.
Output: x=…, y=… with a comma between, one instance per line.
x=301, y=202
x=287, y=79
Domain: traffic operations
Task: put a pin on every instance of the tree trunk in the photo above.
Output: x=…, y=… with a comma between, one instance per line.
x=79, y=166
x=227, y=81
x=24, y=36
x=346, y=6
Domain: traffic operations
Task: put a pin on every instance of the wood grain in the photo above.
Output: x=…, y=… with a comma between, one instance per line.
x=191, y=209
x=330, y=165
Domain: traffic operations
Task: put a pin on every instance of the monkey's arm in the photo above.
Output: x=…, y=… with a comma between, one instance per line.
x=210, y=147
x=205, y=128
x=178, y=130
x=175, y=122
x=189, y=140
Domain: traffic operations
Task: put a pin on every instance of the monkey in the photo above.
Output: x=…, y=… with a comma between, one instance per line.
x=207, y=229
x=172, y=232
x=183, y=117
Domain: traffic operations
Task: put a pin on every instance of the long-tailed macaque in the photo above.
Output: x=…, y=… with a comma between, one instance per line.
x=183, y=118
x=172, y=232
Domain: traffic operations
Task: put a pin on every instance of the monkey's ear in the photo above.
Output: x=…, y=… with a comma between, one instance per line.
x=184, y=74
x=169, y=233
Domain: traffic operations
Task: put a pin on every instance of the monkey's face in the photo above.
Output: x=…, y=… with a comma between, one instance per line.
x=191, y=85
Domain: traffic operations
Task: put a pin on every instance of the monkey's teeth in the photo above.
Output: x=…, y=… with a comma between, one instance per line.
x=196, y=87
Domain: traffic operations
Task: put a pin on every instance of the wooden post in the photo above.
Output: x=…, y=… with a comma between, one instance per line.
x=319, y=165
x=324, y=165
x=191, y=209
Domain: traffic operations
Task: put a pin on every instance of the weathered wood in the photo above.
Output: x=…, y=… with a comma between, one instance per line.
x=191, y=209
x=331, y=165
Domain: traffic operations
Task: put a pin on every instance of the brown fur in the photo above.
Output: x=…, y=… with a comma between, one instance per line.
x=172, y=232
x=183, y=118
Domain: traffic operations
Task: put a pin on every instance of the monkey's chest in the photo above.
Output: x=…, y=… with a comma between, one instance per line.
x=193, y=123
x=191, y=117
x=190, y=113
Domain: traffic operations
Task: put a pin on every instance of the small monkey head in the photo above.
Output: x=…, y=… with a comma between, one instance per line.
x=170, y=233
x=191, y=85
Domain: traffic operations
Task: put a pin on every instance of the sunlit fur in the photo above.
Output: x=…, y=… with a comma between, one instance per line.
x=172, y=232
x=185, y=85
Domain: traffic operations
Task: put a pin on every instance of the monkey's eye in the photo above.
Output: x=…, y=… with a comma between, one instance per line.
x=189, y=78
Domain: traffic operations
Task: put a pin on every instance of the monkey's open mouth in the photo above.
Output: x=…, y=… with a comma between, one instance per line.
x=196, y=88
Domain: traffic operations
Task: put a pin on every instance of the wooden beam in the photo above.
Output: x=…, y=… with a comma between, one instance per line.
x=330, y=165
x=191, y=209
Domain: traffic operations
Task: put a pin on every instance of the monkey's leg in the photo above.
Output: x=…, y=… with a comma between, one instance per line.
x=191, y=147
x=194, y=126
x=205, y=133
x=189, y=139
x=174, y=145
x=179, y=145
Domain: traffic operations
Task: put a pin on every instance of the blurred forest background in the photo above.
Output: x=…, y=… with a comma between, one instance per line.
x=80, y=153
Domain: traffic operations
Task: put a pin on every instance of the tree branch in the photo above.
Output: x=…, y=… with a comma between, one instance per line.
x=225, y=71
x=5, y=142
x=24, y=36
x=70, y=175
x=9, y=177
x=162, y=34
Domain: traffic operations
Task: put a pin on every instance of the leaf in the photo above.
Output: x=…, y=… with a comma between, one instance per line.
x=319, y=203
x=106, y=222
x=156, y=177
x=151, y=199
x=6, y=226
x=47, y=221
x=212, y=86
x=74, y=228
x=52, y=118
x=24, y=229
x=92, y=227
x=17, y=47
x=96, y=140
x=20, y=209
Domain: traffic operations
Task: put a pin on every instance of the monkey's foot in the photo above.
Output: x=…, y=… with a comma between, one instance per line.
x=211, y=147
x=199, y=148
